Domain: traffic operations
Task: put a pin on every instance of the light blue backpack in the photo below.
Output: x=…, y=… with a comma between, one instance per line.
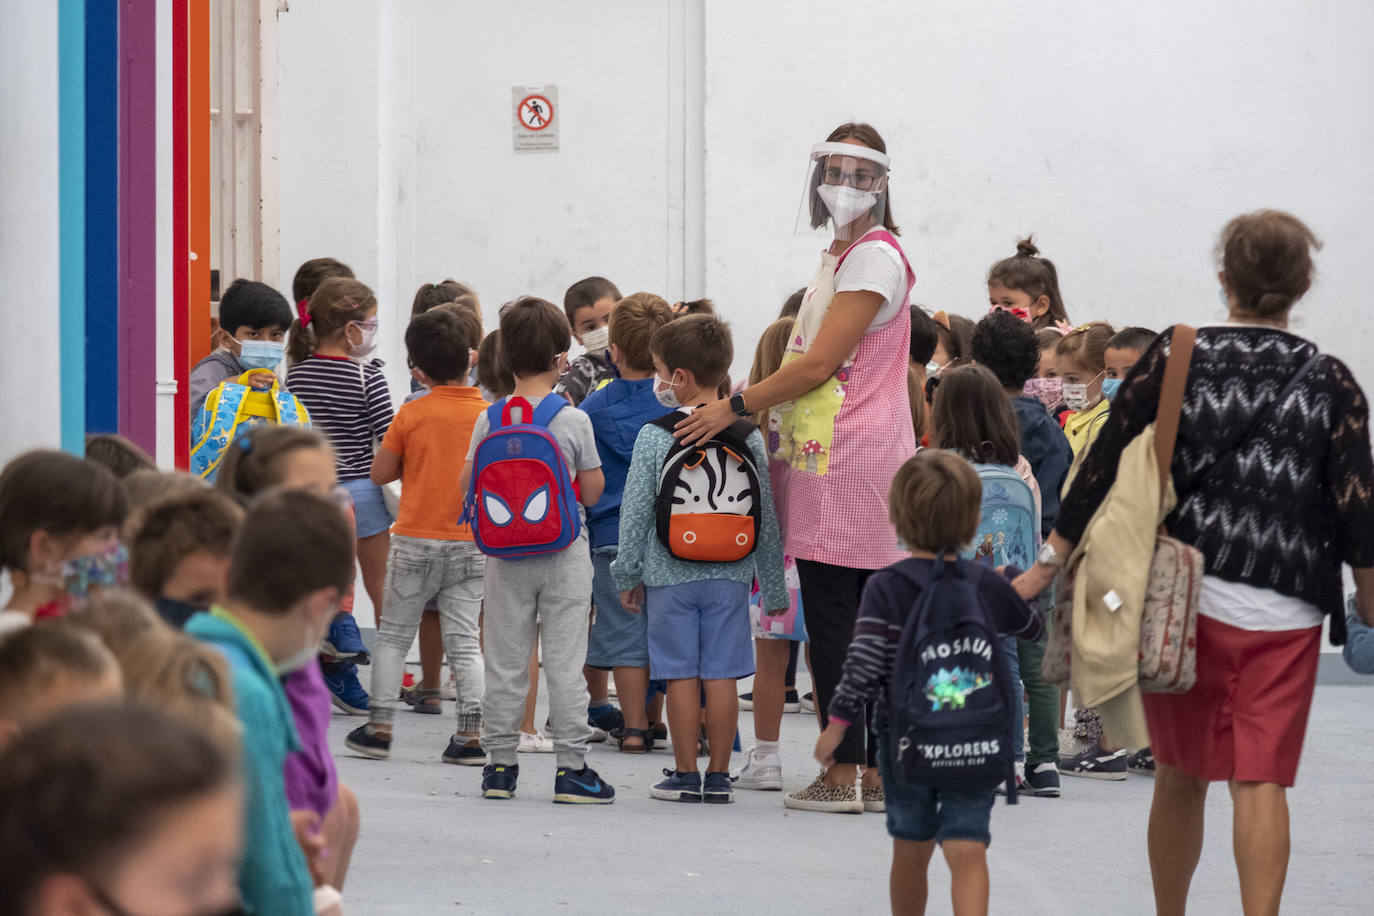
x=1009, y=529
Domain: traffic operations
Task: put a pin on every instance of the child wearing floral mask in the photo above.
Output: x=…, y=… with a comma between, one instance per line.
x=59, y=524
x=1081, y=360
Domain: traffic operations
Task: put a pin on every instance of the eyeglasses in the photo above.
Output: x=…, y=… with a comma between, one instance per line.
x=861, y=180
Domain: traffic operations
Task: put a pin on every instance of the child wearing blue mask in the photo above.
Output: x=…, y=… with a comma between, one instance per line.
x=253, y=319
x=1124, y=351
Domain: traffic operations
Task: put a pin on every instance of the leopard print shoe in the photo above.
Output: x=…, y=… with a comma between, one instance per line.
x=874, y=799
x=821, y=796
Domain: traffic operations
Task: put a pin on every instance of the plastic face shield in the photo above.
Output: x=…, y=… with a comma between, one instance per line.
x=845, y=194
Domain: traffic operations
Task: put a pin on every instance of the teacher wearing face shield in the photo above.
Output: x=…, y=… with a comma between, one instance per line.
x=838, y=406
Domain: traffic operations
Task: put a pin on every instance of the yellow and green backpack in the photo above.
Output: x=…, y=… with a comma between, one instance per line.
x=236, y=407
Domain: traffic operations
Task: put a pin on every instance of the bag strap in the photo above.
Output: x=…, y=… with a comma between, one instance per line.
x=669, y=421
x=548, y=409
x=1171, y=400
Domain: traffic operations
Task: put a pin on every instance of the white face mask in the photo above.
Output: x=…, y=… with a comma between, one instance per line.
x=261, y=354
x=597, y=341
x=666, y=396
x=846, y=204
x=298, y=661
x=1076, y=395
x=934, y=368
x=369, y=342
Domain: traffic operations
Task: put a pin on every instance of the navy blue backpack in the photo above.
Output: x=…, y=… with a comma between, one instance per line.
x=950, y=701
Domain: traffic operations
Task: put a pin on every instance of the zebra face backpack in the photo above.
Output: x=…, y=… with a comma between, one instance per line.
x=709, y=498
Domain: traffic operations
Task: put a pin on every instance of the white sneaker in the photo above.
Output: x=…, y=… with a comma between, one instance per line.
x=534, y=744
x=760, y=771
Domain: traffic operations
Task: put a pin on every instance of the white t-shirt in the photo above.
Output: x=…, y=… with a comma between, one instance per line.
x=1249, y=608
x=875, y=267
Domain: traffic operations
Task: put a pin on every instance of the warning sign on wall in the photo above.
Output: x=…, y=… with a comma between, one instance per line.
x=536, y=118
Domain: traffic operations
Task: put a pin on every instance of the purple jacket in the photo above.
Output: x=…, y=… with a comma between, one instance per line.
x=311, y=782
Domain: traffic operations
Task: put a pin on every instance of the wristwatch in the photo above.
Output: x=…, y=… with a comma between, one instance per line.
x=737, y=405
x=1048, y=556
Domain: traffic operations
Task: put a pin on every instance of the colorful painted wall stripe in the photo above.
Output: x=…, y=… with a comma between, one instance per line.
x=138, y=222
x=102, y=216
x=71, y=104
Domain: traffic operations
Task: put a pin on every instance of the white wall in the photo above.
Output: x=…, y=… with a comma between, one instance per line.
x=1123, y=135
x=30, y=416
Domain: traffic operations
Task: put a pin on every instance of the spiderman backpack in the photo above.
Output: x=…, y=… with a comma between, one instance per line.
x=521, y=501
x=709, y=498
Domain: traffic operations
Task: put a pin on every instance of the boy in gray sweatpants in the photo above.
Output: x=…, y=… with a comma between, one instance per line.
x=549, y=591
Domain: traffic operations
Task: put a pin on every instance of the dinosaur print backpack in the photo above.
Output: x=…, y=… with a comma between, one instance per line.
x=709, y=499
x=950, y=700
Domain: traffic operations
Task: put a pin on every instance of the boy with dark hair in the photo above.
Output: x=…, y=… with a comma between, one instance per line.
x=290, y=563
x=935, y=503
x=253, y=320
x=549, y=589
x=1124, y=351
x=619, y=640
x=1007, y=346
x=432, y=557
x=698, y=623
x=588, y=305
x=179, y=551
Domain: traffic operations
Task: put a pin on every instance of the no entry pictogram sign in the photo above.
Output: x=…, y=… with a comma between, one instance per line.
x=536, y=118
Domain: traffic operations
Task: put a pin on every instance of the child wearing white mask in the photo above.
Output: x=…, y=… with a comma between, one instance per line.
x=1081, y=360
x=588, y=305
x=253, y=319
x=333, y=374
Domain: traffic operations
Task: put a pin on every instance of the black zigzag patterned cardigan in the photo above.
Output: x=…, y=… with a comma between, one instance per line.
x=1295, y=502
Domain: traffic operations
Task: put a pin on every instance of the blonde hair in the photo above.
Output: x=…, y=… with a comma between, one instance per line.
x=185, y=679
x=1087, y=344
x=335, y=304
x=633, y=323
x=119, y=617
x=768, y=356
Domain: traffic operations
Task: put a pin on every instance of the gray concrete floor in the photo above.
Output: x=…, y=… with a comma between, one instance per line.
x=431, y=844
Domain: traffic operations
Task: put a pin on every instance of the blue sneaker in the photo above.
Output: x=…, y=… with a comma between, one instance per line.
x=581, y=787
x=345, y=689
x=604, y=720
x=344, y=641
x=678, y=787
x=718, y=789
x=498, y=780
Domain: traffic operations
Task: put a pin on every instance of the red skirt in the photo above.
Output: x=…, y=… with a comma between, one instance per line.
x=1246, y=716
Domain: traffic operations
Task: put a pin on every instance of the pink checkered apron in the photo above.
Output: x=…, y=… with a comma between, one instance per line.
x=839, y=445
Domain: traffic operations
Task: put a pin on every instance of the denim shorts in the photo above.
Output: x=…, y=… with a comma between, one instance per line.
x=921, y=814
x=618, y=639
x=369, y=506
x=700, y=629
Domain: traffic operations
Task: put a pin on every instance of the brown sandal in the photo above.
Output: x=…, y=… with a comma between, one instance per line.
x=646, y=740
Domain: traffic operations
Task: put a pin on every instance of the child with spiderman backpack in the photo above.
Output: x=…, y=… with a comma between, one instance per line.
x=697, y=526
x=926, y=653
x=522, y=504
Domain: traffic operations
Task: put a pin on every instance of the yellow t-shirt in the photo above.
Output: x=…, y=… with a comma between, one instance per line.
x=431, y=434
x=1082, y=428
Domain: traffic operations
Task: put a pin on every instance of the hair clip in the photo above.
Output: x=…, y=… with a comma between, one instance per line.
x=245, y=443
x=303, y=311
x=941, y=319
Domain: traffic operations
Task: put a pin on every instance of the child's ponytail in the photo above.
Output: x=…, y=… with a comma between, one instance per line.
x=1035, y=276
x=332, y=307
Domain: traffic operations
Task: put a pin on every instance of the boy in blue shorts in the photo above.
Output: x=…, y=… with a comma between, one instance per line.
x=698, y=611
x=935, y=503
x=619, y=640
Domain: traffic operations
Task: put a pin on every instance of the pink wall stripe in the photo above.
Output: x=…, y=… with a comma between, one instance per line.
x=138, y=222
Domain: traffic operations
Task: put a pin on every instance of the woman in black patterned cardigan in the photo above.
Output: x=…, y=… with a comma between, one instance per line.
x=1276, y=496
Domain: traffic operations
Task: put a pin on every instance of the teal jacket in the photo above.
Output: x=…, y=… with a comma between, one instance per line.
x=643, y=558
x=274, y=878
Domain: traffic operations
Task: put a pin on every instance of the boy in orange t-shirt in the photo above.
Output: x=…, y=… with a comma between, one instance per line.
x=432, y=556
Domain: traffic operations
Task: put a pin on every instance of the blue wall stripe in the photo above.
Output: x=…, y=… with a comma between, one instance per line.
x=71, y=160
x=102, y=216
